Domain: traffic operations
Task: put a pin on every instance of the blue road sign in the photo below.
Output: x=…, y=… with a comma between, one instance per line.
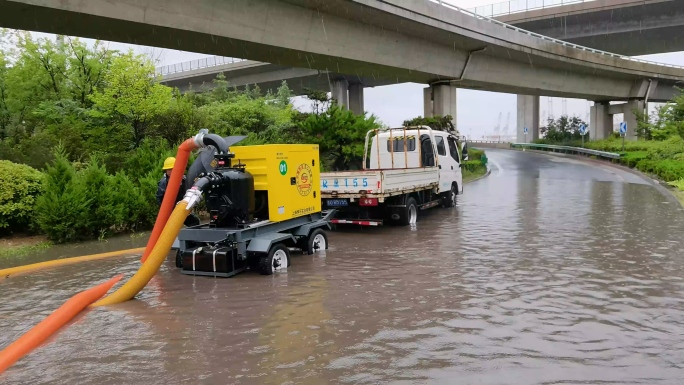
x=583, y=129
x=623, y=128
x=525, y=130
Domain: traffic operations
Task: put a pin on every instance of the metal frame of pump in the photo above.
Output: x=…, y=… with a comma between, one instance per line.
x=233, y=235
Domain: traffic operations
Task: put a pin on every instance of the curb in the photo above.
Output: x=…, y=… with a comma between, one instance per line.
x=658, y=184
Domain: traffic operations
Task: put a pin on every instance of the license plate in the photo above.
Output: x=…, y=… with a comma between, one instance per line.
x=338, y=202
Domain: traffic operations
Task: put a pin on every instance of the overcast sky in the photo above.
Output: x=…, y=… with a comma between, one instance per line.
x=478, y=111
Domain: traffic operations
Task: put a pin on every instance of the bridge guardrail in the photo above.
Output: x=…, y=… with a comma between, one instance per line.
x=518, y=6
x=488, y=141
x=561, y=42
x=211, y=61
x=567, y=149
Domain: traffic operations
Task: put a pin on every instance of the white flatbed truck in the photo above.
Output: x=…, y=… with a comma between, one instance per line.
x=406, y=170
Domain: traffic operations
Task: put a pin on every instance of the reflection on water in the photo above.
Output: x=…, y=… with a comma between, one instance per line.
x=548, y=271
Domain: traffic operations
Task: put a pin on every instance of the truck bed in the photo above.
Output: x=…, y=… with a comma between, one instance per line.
x=377, y=183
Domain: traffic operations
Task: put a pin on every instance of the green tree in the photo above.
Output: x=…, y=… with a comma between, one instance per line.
x=563, y=129
x=340, y=135
x=87, y=69
x=443, y=123
x=132, y=96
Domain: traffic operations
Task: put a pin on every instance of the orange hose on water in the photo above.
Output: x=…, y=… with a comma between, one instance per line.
x=47, y=327
x=169, y=200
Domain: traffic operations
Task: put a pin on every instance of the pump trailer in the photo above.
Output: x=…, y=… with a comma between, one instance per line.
x=262, y=201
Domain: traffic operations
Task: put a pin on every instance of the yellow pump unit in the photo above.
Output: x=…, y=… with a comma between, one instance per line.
x=287, y=174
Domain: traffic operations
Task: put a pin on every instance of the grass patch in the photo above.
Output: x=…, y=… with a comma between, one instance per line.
x=22, y=250
x=470, y=174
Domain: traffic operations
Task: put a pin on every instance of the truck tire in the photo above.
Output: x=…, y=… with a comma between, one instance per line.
x=278, y=258
x=449, y=200
x=317, y=241
x=409, y=214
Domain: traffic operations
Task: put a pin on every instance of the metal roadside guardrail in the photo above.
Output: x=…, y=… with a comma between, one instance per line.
x=567, y=150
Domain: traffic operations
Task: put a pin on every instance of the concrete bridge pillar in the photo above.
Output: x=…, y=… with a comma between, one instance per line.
x=601, y=124
x=440, y=100
x=356, y=99
x=631, y=118
x=340, y=92
x=348, y=95
x=528, y=116
x=600, y=121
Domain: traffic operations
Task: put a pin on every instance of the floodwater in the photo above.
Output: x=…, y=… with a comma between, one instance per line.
x=549, y=271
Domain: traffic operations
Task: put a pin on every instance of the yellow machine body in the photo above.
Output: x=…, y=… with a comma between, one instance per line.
x=290, y=173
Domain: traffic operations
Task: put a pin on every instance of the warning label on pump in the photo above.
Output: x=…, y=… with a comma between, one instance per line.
x=304, y=179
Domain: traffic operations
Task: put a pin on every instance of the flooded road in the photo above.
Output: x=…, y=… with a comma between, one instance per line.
x=549, y=271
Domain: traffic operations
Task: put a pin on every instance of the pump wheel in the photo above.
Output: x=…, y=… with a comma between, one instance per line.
x=317, y=241
x=277, y=259
x=179, y=259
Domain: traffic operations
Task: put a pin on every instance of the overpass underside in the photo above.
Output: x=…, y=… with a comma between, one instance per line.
x=390, y=41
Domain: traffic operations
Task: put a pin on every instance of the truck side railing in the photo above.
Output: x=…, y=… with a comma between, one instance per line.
x=567, y=150
x=377, y=133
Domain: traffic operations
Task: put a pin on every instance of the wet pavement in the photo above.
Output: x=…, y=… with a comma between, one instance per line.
x=549, y=271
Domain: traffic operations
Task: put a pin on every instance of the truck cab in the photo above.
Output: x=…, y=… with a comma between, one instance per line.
x=411, y=148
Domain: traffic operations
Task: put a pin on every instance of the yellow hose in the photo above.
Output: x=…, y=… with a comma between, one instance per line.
x=66, y=261
x=148, y=269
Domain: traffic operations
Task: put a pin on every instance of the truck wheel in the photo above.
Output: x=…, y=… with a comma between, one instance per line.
x=317, y=241
x=179, y=259
x=277, y=259
x=409, y=214
x=450, y=197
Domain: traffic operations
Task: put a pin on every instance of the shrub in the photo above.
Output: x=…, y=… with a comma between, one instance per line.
x=62, y=211
x=668, y=169
x=667, y=149
x=473, y=165
x=631, y=159
x=91, y=203
x=474, y=154
x=20, y=185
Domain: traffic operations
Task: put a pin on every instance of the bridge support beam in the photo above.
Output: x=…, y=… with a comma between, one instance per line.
x=528, y=116
x=630, y=108
x=601, y=124
x=340, y=92
x=600, y=121
x=440, y=100
x=348, y=95
x=356, y=99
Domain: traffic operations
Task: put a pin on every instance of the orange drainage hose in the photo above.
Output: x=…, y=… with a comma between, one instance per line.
x=47, y=327
x=169, y=201
x=4, y=273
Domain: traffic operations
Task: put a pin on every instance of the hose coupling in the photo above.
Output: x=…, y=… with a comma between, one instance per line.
x=199, y=138
x=192, y=196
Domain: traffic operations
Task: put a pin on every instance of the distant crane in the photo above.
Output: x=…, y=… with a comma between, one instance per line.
x=497, y=128
x=508, y=121
x=565, y=107
x=550, y=108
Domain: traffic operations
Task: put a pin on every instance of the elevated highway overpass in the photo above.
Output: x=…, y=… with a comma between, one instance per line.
x=627, y=27
x=391, y=40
